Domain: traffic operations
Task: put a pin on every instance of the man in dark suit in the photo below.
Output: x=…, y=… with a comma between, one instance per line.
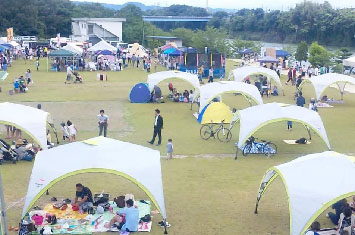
x=158, y=125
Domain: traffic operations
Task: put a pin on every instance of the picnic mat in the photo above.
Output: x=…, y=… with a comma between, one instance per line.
x=324, y=105
x=71, y=222
x=294, y=142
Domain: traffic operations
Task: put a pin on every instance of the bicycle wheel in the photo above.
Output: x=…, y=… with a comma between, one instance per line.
x=205, y=132
x=246, y=149
x=224, y=135
x=270, y=149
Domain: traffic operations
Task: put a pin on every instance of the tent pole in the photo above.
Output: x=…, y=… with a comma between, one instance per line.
x=3, y=209
x=165, y=230
x=256, y=207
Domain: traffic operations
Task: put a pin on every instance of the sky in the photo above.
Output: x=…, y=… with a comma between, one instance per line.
x=232, y=4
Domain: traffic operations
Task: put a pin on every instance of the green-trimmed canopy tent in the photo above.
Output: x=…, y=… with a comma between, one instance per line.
x=62, y=53
x=138, y=164
x=33, y=121
x=155, y=78
x=322, y=82
x=254, y=118
x=240, y=74
x=313, y=183
x=211, y=90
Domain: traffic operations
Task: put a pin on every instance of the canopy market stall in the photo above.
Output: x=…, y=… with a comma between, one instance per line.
x=63, y=57
x=313, y=183
x=101, y=46
x=211, y=90
x=74, y=48
x=240, y=74
x=268, y=59
x=136, y=163
x=322, y=82
x=33, y=121
x=254, y=118
x=155, y=78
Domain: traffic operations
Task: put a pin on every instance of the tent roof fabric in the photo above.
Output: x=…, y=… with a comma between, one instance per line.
x=322, y=82
x=62, y=53
x=241, y=73
x=211, y=90
x=140, y=93
x=31, y=120
x=253, y=118
x=246, y=51
x=216, y=112
x=134, y=162
x=155, y=78
x=282, y=53
x=268, y=59
x=313, y=183
x=73, y=48
x=102, y=45
x=3, y=75
x=349, y=62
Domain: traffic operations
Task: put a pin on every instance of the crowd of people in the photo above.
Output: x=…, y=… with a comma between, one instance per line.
x=343, y=219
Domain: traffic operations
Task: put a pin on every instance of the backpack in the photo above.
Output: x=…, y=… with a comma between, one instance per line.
x=301, y=141
x=120, y=202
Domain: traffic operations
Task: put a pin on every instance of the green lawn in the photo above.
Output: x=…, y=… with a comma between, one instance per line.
x=207, y=192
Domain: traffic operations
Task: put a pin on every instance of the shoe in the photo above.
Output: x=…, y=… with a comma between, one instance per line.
x=149, y=142
x=157, y=144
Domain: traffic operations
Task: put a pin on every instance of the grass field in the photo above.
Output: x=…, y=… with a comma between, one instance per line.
x=206, y=191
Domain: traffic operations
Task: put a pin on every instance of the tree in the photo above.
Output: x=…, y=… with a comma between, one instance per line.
x=302, y=51
x=238, y=45
x=344, y=53
x=318, y=55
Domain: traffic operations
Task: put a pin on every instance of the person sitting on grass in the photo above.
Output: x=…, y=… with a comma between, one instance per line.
x=83, y=198
x=338, y=207
x=126, y=219
x=16, y=86
x=315, y=227
x=346, y=221
x=275, y=91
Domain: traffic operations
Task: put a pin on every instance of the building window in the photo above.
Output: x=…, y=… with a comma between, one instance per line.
x=90, y=29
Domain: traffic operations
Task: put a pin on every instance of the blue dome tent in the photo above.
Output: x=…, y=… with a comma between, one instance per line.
x=140, y=93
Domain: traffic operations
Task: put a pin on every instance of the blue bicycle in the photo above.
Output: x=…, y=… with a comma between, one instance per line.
x=252, y=147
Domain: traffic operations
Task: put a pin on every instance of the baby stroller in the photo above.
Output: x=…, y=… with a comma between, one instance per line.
x=6, y=153
x=78, y=78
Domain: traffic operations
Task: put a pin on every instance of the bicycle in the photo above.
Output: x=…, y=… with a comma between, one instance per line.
x=211, y=130
x=252, y=147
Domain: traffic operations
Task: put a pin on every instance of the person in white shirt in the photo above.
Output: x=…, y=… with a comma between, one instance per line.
x=103, y=122
x=315, y=227
x=69, y=73
x=72, y=131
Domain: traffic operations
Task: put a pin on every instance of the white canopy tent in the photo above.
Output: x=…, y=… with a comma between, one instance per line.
x=241, y=73
x=313, y=183
x=349, y=62
x=155, y=78
x=138, y=164
x=101, y=46
x=253, y=118
x=73, y=48
x=322, y=82
x=211, y=90
x=30, y=120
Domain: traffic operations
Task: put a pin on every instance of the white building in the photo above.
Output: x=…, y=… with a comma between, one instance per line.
x=95, y=29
